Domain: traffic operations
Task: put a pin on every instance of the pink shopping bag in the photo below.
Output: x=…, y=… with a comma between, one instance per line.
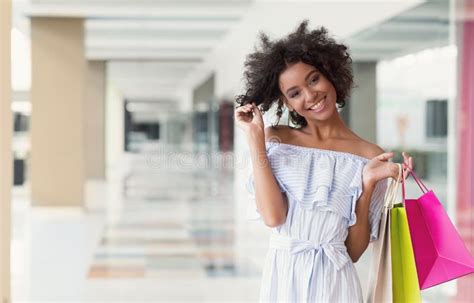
x=440, y=254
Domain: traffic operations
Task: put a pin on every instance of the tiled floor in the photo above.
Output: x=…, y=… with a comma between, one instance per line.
x=155, y=232
x=172, y=223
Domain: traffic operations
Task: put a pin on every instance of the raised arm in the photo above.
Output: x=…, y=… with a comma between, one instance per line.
x=376, y=170
x=271, y=203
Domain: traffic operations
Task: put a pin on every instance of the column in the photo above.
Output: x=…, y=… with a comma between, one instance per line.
x=94, y=120
x=465, y=135
x=6, y=129
x=57, y=120
x=363, y=103
x=114, y=130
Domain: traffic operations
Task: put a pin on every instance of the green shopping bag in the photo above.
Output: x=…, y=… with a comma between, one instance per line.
x=404, y=277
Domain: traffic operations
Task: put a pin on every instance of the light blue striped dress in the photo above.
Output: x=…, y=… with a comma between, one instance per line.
x=307, y=260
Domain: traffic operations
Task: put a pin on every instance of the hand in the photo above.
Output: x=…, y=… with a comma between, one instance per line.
x=407, y=164
x=249, y=118
x=379, y=168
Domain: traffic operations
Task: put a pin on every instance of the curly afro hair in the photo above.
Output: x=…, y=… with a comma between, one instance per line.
x=316, y=48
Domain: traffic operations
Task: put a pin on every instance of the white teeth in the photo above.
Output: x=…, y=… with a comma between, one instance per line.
x=317, y=105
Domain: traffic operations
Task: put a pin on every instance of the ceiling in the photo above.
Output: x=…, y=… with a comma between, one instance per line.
x=424, y=26
x=151, y=45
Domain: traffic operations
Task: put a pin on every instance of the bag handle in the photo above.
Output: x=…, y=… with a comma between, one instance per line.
x=403, y=188
x=393, y=188
x=418, y=181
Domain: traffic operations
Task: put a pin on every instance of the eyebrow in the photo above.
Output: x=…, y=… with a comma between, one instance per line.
x=305, y=78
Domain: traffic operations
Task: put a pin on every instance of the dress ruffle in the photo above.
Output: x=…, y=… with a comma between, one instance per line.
x=320, y=179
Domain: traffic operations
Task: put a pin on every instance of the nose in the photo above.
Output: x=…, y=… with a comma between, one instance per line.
x=311, y=95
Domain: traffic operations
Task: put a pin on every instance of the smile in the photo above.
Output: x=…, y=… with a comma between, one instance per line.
x=318, y=106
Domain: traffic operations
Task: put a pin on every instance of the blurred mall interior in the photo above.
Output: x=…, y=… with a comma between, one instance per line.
x=128, y=177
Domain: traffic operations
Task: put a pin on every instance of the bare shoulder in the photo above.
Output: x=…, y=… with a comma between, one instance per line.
x=368, y=149
x=277, y=133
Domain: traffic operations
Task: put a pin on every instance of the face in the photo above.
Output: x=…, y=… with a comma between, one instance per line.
x=308, y=92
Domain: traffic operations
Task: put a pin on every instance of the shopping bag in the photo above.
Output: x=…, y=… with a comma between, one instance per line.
x=440, y=253
x=404, y=275
x=380, y=279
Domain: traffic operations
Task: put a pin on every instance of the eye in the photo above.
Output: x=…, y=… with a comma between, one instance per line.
x=294, y=94
x=314, y=79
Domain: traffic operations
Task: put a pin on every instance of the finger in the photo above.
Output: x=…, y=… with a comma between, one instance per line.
x=395, y=168
x=256, y=110
x=241, y=114
x=249, y=107
x=385, y=156
x=240, y=117
x=241, y=110
x=254, y=106
x=408, y=164
x=408, y=160
x=406, y=170
x=405, y=158
x=243, y=106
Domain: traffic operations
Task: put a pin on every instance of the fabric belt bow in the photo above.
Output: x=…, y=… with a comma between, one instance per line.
x=335, y=251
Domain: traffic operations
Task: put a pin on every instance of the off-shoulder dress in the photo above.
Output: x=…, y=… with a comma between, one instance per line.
x=307, y=260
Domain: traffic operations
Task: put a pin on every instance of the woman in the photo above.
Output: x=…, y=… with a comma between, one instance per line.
x=318, y=185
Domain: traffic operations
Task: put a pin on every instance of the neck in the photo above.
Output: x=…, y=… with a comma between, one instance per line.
x=333, y=127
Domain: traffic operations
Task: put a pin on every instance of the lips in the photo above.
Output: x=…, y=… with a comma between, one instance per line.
x=318, y=105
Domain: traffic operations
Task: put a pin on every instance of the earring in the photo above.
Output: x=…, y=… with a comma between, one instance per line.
x=291, y=115
x=288, y=116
